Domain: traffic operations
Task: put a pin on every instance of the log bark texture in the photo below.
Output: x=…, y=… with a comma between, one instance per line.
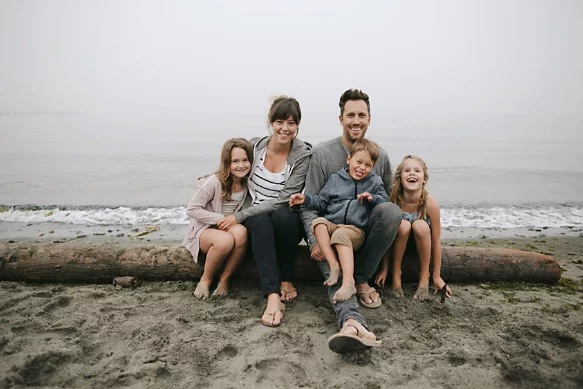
x=102, y=262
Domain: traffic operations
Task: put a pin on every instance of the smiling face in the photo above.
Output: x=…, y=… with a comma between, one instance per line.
x=240, y=164
x=412, y=175
x=355, y=120
x=284, y=131
x=359, y=165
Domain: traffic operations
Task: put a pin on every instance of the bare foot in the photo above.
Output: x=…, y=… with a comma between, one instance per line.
x=345, y=292
x=397, y=291
x=273, y=312
x=222, y=289
x=288, y=292
x=333, y=276
x=202, y=290
x=422, y=292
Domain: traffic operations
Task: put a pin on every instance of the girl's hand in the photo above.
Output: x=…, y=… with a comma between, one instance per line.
x=364, y=196
x=296, y=199
x=227, y=222
x=438, y=283
x=381, y=278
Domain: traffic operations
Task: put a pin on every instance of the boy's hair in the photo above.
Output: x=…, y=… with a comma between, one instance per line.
x=397, y=187
x=282, y=108
x=353, y=94
x=366, y=145
x=224, y=172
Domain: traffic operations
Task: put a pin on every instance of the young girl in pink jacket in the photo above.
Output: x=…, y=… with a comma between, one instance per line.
x=220, y=195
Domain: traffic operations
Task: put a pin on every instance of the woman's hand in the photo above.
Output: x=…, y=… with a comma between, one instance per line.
x=365, y=196
x=227, y=222
x=296, y=199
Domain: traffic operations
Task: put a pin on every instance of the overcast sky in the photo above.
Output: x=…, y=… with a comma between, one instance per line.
x=183, y=57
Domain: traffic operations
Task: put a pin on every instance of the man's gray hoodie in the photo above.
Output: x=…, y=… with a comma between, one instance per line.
x=338, y=202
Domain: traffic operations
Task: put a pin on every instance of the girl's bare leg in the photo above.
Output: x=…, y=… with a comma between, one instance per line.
x=217, y=245
x=399, y=247
x=323, y=238
x=348, y=288
x=422, y=235
x=239, y=233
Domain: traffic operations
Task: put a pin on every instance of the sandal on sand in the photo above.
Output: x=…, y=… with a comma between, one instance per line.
x=368, y=293
x=343, y=343
x=272, y=314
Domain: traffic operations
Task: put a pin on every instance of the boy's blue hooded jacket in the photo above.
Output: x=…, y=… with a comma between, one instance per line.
x=338, y=203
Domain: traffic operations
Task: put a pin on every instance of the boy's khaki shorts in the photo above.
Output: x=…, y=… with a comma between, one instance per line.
x=342, y=234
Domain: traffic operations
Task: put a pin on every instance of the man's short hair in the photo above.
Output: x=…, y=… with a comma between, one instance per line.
x=353, y=94
x=366, y=145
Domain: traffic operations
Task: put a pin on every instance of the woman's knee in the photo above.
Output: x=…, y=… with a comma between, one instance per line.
x=259, y=222
x=420, y=228
x=283, y=216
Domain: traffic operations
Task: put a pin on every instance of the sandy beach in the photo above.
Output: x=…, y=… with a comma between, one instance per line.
x=159, y=336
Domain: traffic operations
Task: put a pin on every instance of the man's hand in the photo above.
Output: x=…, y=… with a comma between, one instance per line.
x=296, y=199
x=316, y=253
x=227, y=222
x=364, y=196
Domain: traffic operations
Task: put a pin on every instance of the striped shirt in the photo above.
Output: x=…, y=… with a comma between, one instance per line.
x=264, y=184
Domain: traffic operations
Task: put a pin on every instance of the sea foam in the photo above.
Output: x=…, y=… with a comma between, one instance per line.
x=481, y=216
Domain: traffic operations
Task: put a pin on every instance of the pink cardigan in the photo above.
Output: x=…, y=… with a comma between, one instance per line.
x=204, y=210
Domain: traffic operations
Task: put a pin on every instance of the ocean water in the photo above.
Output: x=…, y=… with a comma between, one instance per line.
x=485, y=170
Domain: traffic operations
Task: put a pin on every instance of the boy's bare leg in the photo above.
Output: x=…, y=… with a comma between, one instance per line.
x=323, y=239
x=239, y=233
x=348, y=288
x=422, y=235
x=399, y=247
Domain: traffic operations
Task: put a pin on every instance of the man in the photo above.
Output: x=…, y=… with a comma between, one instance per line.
x=328, y=158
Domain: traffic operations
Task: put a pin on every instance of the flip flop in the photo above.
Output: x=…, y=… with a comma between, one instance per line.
x=367, y=293
x=281, y=309
x=343, y=343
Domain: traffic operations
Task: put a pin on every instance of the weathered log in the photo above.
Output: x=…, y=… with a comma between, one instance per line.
x=102, y=262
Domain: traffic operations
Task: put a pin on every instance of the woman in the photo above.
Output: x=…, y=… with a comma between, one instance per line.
x=274, y=230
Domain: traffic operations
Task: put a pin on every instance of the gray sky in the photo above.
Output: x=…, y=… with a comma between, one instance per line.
x=217, y=57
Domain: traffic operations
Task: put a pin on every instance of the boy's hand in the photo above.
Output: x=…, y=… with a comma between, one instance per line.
x=296, y=199
x=227, y=222
x=364, y=196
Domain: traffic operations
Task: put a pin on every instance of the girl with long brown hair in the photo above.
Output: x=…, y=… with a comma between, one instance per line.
x=220, y=195
x=421, y=218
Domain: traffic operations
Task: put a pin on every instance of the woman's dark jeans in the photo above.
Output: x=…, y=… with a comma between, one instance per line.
x=274, y=241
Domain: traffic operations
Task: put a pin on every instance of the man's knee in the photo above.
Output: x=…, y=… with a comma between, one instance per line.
x=388, y=214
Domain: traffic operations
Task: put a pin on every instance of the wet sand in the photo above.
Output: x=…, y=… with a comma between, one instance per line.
x=159, y=336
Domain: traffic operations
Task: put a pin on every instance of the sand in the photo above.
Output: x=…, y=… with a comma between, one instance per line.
x=159, y=336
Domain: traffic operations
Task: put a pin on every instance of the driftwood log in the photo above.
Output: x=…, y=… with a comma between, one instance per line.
x=102, y=262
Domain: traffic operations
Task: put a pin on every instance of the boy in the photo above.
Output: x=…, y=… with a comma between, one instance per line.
x=345, y=202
